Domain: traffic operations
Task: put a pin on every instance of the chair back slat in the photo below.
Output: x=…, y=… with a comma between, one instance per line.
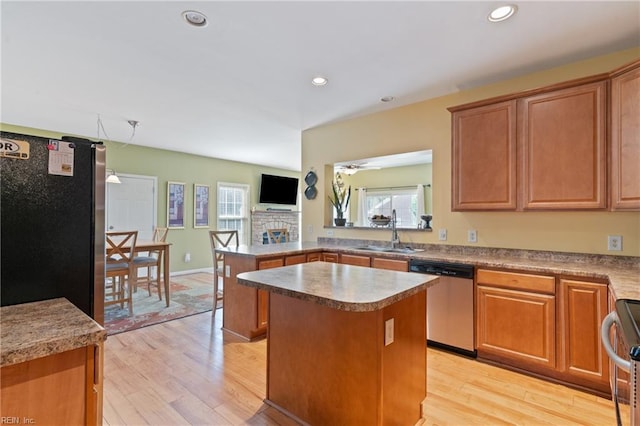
x=276, y=236
x=220, y=239
x=121, y=246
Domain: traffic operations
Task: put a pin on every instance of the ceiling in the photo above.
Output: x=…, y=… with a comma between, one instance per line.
x=239, y=88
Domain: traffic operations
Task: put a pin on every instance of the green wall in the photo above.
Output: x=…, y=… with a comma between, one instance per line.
x=187, y=168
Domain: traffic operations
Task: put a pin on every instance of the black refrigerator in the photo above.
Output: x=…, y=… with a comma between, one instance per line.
x=52, y=199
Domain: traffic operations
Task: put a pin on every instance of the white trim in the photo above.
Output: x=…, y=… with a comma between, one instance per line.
x=190, y=271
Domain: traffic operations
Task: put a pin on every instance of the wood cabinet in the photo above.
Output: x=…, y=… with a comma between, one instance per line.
x=65, y=389
x=330, y=257
x=583, y=306
x=246, y=309
x=314, y=257
x=295, y=259
x=625, y=138
x=548, y=148
x=562, y=141
x=390, y=264
x=516, y=319
x=354, y=259
x=484, y=157
x=547, y=325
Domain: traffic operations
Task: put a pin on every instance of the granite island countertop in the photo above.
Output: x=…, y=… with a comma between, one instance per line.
x=38, y=329
x=622, y=273
x=342, y=287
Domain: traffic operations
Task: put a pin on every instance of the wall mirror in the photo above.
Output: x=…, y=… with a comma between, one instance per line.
x=381, y=184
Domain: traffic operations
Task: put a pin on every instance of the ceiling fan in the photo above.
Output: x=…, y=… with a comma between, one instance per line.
x=353, y=168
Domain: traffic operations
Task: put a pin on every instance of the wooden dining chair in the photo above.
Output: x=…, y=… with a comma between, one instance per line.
x=220, y=239
x=276, y=236
x=153, y=259
x=119, y=268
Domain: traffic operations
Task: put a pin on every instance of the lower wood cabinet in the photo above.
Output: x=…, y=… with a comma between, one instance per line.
x=583, y=306
x=547, y=325
x=60, y=389
x=516, y=327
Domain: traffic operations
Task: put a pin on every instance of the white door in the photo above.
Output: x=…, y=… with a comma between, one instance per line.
x=131, y=205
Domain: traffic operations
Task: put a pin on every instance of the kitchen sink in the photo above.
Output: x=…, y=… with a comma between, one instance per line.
x=389, y=249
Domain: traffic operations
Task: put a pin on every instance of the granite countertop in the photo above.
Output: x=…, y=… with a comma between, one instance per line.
x=622, y=273
x=38, y=329
x=343, y=287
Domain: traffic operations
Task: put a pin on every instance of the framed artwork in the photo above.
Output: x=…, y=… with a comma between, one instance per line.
x=175, y=205
x=200, y=206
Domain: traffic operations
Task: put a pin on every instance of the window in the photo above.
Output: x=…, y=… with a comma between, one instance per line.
x=404, y=201
x=233, y=209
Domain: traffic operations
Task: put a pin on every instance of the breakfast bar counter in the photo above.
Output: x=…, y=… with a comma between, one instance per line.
x=345, y=344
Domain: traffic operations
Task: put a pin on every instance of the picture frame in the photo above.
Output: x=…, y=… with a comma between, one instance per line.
x=175, y=205
x=200, y=206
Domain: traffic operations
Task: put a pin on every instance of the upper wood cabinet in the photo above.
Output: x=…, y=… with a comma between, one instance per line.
x=484, y=157
x=625, y=138
x=547, y=148
x=562, y=142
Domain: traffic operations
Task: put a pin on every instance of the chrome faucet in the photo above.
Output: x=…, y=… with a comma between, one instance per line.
x=395, y=239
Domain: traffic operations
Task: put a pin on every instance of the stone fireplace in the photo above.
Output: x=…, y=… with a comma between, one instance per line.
x=261, y=220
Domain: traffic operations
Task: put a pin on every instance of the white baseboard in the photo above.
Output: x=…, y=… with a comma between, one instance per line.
x=190, y=271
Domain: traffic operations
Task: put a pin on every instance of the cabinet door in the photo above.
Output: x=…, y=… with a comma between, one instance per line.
x=625, y=141
x=390, y=264
x=263, y=295
x=353, y=259
x=516, y=327
x=583, y=306
x=484, y=158
x=562, y=148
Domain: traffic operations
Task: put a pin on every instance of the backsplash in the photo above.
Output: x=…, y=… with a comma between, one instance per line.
x=555, y=256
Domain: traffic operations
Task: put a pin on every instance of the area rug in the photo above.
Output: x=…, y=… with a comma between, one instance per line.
x=190, y=294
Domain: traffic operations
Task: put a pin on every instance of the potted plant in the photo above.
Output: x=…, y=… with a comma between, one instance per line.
x=340, y=199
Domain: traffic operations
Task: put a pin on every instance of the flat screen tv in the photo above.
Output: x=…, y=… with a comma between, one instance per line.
x=278, y=190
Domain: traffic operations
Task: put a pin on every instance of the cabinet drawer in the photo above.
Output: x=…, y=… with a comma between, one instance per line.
x=517, y=281
x=390, y=264
x=270, y=263
x=352, y=259
x=295, y=259
x=314, y=257
x=330, y=257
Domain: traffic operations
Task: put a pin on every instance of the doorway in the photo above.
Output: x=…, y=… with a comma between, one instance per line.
x=132, y=205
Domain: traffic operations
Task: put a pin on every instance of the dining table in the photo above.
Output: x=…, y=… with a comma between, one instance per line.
x=163, y=248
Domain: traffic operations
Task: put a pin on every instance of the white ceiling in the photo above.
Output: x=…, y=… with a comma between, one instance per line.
x=239, y=88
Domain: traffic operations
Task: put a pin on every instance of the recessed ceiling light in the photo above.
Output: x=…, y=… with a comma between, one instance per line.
x=319, y=81
x=387, y=98
x=502, y=13
x=195, y=18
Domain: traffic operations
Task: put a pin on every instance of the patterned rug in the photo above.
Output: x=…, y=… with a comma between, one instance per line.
x=190, y=294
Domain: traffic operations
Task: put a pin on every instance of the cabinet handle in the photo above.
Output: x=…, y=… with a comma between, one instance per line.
x=96, y=364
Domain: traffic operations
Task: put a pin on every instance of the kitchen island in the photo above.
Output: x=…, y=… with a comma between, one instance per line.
x=345, y=344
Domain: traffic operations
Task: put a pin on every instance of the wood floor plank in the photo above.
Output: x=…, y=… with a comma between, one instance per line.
x=189, y=372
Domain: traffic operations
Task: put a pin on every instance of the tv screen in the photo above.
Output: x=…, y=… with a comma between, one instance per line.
x=278, y=190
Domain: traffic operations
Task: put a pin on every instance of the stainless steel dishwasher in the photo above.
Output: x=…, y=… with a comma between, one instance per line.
x=450, y=314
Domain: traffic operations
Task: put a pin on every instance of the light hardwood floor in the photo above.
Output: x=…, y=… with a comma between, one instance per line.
x=186, y=372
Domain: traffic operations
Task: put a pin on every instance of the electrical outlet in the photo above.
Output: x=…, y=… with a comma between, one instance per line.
x=227, y=271
x=310, y=229
x=388, y=332
x=442, y=234
x=329, y=232
x=614, y=243
x=187, y=257
x=472, y=236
